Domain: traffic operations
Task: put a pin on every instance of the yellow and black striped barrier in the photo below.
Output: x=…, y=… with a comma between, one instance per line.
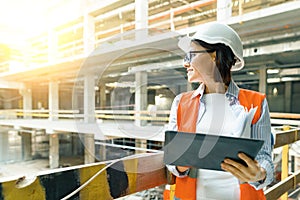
x=122, y=178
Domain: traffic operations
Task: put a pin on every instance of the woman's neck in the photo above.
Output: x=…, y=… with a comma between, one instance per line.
x=215, y=87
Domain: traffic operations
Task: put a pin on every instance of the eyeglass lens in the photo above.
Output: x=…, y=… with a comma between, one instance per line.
x=191, y=54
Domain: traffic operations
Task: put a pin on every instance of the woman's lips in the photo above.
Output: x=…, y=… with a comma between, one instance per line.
x=188, y=71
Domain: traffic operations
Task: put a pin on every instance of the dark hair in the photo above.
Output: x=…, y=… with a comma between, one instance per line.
x=225, y=59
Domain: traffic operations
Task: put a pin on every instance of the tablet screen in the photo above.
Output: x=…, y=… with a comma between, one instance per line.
x=204, y=151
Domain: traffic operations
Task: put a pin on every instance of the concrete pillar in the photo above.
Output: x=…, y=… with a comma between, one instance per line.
x=140, y=143
x=27, y=101
x=172, y=24
x=224, y=10
x=263, y=79
x=89, y=148
x=102, y=152
x=140, y=96
x=88, y=33
x=52, y=45
x=89, y=99
x=76, y=144
x=288, y=96
x=53, y=100
x=102, y=96
x=8, y=104
x=53, y=151
x=141, y=18
x=26, y=146
x=4, y=145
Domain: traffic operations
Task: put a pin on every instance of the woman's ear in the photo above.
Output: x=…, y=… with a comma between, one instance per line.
x=213, y=56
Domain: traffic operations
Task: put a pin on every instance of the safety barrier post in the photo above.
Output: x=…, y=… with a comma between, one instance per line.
x=285, y=164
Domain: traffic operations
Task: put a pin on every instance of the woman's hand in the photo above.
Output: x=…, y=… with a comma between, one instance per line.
x=181, y=169
x=251, y=173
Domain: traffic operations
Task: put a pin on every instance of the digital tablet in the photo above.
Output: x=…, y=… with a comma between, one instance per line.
x=204, y=151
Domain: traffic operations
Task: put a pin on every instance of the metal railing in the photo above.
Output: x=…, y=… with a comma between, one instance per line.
x=292, y=119
x=283, y=139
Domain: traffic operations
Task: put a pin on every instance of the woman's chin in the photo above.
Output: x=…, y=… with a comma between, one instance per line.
x=194, y=80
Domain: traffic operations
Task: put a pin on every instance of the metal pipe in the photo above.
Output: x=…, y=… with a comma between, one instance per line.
x=159, y=16
x=127, y=147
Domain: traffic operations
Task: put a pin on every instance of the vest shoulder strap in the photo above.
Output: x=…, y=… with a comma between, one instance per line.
x=251, y=99
x=188, y=108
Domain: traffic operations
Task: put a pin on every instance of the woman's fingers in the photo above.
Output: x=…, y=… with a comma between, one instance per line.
x=181, y=168
x=250, y=173
x=248, y=160
x=236, y=169
x=237, y=165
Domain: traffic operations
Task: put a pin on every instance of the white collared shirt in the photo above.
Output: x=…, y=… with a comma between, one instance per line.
x=260, y=130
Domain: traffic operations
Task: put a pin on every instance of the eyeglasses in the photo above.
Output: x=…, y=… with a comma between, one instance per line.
x=192, y=54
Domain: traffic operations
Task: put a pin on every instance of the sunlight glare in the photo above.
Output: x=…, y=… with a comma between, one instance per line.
x=21, y=19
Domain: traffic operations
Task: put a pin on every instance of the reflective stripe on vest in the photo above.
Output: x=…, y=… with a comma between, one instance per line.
x=187, y=115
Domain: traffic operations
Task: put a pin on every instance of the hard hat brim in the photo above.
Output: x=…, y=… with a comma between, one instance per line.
x=184, y=44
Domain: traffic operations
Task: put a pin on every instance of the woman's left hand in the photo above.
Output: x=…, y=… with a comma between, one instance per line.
x=253, y=172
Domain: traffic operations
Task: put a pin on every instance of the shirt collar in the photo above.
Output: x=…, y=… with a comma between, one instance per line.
x=199, y=91
x=232, y=90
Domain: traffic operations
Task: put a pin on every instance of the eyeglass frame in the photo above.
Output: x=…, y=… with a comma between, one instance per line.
x=188, y=59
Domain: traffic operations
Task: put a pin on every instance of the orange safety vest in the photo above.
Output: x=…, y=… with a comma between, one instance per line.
x=187, y=115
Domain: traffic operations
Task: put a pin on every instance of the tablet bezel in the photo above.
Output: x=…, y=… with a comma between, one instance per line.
x=204, y=151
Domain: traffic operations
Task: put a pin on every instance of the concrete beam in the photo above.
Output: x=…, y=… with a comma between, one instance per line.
x=88, y=34
x=27, y=101
x=287, y=96
x=262, y=80
x=26, y=146
x=272, y=49
x=102, y=97
x=140, y=143
x=89, y=148
x=89, y=99
x=140, y=96
x=141, y=19
x=224, y=10
x=11, y=85
x=53, y=151
x=4, y=145
x=53, y=100
x=266, y=12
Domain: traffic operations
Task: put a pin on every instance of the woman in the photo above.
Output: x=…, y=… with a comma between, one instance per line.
x=218, y=106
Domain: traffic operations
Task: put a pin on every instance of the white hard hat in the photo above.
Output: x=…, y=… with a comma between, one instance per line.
x=214, y=33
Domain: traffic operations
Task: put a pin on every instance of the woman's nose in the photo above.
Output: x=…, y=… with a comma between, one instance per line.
x=186, y=64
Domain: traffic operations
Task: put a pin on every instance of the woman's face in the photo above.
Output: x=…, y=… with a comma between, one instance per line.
x=201, y=67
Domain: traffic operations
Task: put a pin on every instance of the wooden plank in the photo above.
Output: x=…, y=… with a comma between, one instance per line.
x=280, y=188
x=287, y=137
x=285, y=122
x=285, y=167
x=284, y=115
